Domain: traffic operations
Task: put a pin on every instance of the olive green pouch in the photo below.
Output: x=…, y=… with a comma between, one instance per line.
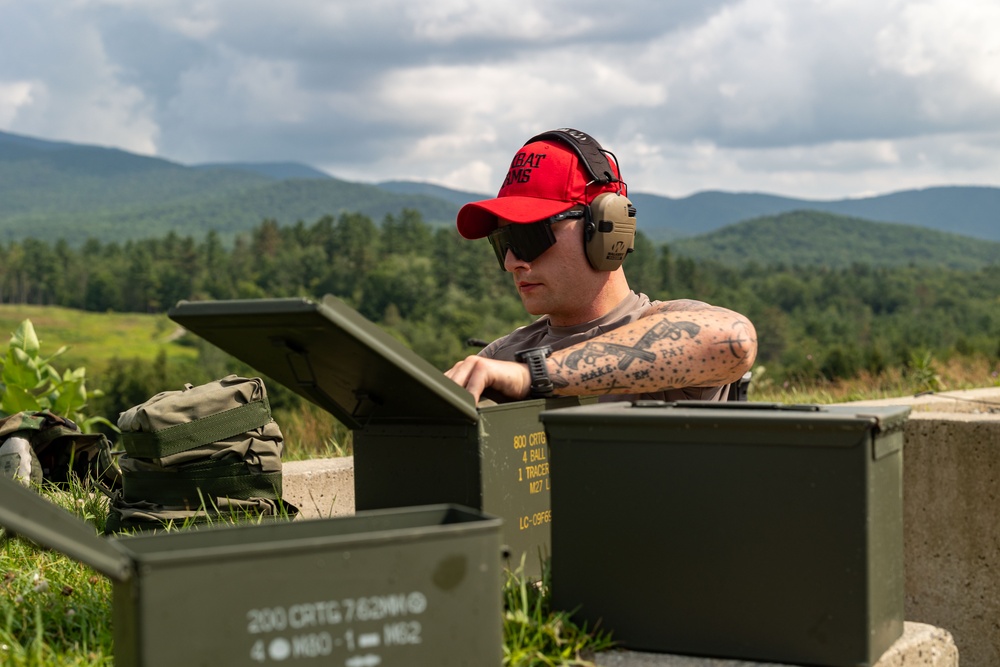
x=200, y=454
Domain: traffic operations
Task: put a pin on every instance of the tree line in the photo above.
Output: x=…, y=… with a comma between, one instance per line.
x=435, y=291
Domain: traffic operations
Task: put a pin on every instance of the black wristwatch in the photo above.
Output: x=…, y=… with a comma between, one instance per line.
x=541, y=383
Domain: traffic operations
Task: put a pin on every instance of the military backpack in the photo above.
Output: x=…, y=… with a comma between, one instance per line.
x=199, y=454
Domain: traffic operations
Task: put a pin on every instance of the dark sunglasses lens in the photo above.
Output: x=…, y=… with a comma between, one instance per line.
x=527, y=242
x=498, y=241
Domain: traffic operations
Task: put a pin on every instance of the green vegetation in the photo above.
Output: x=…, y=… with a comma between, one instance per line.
x=810, y=238
x=225, y=213
x=419, y=279
x=132, y=357
x=535, y=635
x=858, y=330
x=94, y=339
x=117, y=196
x=31, y=383
x=827, y=333
x=54, y=610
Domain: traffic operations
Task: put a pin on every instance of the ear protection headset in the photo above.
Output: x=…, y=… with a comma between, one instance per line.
x=609, y=221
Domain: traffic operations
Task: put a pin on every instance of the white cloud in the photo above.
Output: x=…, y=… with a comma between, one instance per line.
x=75, y=91
x=826, y=171
x=14, y=95
x=951, y=52
x=945, y=36
x=828, y=96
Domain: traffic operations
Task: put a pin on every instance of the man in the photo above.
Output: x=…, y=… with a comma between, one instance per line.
x=561, y=225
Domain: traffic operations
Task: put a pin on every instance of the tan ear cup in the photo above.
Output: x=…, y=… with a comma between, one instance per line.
x=610, y=231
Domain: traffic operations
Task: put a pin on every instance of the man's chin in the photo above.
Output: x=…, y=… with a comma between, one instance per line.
x=533, y=306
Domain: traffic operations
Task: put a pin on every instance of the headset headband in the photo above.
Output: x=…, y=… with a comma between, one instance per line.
x=586, y=148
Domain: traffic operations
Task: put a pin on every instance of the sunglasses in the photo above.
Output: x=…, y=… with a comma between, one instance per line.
x=529, y=241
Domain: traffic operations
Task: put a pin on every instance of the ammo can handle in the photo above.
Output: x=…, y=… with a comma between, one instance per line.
x=728, y=405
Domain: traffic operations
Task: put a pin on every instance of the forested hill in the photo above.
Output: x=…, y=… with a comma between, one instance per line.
x=970, y=211
x=62, y=190
x=811, y=238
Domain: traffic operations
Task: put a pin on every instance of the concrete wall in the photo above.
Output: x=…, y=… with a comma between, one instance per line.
x=320, y=488
x=921, y=645
x=951, y=512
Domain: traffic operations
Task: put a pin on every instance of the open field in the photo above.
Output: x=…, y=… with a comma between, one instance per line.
x=958, y=373
x=93, y=339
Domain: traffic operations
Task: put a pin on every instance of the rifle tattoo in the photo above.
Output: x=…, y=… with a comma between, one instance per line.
x=592, y=351
x=659, y=331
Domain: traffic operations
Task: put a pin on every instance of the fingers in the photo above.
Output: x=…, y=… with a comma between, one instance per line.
x=465, y=374
x=477, y=373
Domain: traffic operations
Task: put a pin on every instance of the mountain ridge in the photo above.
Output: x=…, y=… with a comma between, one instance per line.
x=54, y=187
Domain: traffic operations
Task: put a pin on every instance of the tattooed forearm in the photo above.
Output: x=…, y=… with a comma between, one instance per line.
x=559, y=381
x=615, y=389
x=591, y=352
x=709, y=347
x=597, y=372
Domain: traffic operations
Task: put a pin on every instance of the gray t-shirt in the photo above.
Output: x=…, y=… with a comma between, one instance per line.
x=631, y=308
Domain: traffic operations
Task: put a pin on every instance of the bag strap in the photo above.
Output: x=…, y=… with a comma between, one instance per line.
x=183, y=437
x=202, y=483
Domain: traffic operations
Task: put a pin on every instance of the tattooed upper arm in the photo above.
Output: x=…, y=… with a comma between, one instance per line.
x=676, y=305
x=679, y=343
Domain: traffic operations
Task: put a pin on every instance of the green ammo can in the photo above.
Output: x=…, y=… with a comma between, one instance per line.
x=419, y=438
x=753, y=531
x=415, y=586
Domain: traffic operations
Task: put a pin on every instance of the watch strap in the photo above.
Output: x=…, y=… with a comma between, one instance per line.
x=538, y=371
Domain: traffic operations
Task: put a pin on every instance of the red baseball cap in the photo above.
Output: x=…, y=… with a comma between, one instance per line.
x=546, y=177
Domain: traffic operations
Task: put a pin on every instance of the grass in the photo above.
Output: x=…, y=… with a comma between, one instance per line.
x=535, y=635
x=925, y=374
x=93, y=339
x=54, y=610
x=311, y=432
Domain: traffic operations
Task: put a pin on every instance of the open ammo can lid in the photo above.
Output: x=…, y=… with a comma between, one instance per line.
x=27, y=513
x=330, y=354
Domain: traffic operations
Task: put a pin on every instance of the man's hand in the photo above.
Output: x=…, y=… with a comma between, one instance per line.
x=477, y=373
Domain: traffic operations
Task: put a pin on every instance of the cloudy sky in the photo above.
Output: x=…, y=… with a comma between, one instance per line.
x=808, y=98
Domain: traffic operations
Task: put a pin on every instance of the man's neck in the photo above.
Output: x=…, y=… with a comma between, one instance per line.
x=600, y=303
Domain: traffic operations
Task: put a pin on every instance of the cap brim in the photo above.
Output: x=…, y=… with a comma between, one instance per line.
x=477, y=219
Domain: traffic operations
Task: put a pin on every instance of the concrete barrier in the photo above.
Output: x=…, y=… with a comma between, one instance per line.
x=920, y=646
x=951, y=517
x=320, y=488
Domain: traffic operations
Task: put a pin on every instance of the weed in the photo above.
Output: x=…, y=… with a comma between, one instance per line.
x=535, y=635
